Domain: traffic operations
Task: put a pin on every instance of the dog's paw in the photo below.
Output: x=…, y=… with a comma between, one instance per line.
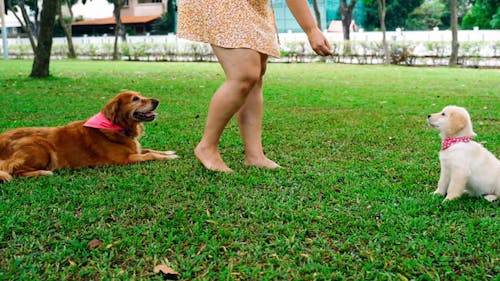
x=437, y=191
x=491, y=197
x=172, y=156
x=165, y=156
x=451, y=197
x=4, y=176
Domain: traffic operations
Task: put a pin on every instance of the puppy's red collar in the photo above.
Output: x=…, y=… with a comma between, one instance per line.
x=447, y=142
x=99, y=121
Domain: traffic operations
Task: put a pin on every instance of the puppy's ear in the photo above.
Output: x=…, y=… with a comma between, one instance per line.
x=456, y=122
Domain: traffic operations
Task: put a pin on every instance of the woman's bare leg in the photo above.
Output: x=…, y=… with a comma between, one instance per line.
x=250, y=122
x=243, y=70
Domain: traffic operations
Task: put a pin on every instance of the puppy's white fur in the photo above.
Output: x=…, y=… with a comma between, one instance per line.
x=465, y=166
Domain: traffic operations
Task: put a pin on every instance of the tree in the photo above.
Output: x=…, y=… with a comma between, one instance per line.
x=454, y=33
x=31, y=28
x=65, y=27
x=463, y=8
x=43, y=50
x=119, y=32
x=166, y=24
x=396, y=15
x=317, y=13
x=426, y=17
x=346, y=15
x=484, y=14
x=382, y=9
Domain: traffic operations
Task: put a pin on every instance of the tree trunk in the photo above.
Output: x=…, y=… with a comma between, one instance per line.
x=382, y=11
x=67, y=29
x=41, y=62
x=118, y=4
x=454, y=34
x=317, y=13
x=346, y=14
x=27, y=24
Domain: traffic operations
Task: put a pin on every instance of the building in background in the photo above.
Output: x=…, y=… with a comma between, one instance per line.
x=138, y=8
x=329, y=11
x=137, y=16
x=12, y=24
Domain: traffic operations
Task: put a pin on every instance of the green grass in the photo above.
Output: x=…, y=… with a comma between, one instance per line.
x=353, y=201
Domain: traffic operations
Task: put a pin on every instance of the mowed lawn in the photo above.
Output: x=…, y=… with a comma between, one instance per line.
x=353, y=200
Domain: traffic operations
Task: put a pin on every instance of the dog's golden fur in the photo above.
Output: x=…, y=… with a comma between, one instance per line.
x=466, y=167
x=38, y=151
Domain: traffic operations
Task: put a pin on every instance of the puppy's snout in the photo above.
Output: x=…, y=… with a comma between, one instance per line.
x=155, y=102
x=428, y=116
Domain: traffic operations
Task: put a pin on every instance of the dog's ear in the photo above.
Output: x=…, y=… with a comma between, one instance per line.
x=112, y=109
x=456, y=122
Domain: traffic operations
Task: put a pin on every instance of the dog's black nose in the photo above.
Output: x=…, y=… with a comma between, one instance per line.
x=156, y=102
x=428, y=116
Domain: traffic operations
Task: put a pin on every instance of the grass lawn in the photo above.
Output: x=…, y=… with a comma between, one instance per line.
x=353, y=201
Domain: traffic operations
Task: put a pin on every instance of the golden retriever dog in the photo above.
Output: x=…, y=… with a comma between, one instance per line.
x=466, y=166
x=108, y=138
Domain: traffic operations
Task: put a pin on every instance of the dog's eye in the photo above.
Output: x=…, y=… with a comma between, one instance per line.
x=135, y=98
x=442, y=114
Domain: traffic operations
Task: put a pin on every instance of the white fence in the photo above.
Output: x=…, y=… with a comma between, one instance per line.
x=480, y=46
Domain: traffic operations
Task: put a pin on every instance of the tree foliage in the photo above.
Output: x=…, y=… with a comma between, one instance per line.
x=484, y=14
x=166, y=24
x=463, y=7
x=426, y=17
x=397, y=13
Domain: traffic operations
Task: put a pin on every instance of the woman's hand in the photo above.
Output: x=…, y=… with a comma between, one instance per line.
x=319, y=43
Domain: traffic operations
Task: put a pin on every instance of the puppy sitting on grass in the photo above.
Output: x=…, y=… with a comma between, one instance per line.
x=466, y=166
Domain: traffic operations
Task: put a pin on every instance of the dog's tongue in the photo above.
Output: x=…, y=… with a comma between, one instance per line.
x=149, y=114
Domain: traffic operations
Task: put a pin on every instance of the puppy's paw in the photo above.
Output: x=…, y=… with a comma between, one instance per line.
x=450, y=197
x=491, y=197
x=437, y=191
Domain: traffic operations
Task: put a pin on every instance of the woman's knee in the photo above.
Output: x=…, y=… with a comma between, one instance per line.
x=245, y=81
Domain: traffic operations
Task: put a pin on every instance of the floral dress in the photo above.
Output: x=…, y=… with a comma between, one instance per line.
x=229, y=24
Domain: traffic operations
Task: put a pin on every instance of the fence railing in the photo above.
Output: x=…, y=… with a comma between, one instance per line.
x=477, y=48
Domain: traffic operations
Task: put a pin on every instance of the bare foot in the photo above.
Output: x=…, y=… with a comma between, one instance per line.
x=211, y=160
x=261, y=162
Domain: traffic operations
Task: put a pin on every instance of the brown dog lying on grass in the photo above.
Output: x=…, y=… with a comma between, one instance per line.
x=108, y=138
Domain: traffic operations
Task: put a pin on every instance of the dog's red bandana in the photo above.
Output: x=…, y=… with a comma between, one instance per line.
x=447, y=142
x=99, y=121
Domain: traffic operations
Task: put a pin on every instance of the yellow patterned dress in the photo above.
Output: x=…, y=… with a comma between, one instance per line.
x=229, y=24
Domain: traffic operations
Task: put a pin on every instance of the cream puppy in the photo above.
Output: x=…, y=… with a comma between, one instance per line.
x=466, y=166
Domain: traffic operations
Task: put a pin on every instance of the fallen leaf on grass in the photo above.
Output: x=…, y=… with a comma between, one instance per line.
x=94, y=244
x=203, y=246
x=112, y=244
x=167, y=271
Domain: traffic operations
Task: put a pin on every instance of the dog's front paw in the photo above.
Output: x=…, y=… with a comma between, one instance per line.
x=450, y=197
x=168, y=155
x=173, y=156
x=438, y=191
x=4, y=176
